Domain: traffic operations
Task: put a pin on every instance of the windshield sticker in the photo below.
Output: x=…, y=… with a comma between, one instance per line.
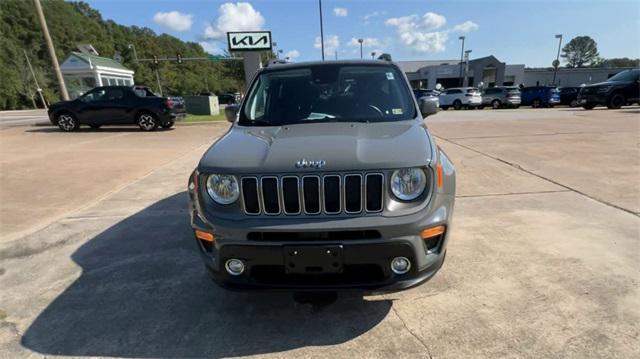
x=389, y=75
x=396, y=111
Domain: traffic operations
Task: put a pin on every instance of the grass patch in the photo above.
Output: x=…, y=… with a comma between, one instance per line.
x=204, y=118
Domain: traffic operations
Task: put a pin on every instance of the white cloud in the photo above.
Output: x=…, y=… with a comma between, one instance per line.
x=367, y=42
x=240, y=16
x=433, y=21
x=466, y=26
x=372, y=15
x=292, y=54
x=174, y=20
x=417, y=33
x=331, y=44
x=340, y=11
x=426, y=33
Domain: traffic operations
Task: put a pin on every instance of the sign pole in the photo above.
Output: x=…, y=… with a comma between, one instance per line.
x=38, y=89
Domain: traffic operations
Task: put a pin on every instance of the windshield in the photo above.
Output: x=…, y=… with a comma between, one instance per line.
x=628, y=75
x=325, y=93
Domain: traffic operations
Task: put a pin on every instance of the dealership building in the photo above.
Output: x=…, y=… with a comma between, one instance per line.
x=492, y=72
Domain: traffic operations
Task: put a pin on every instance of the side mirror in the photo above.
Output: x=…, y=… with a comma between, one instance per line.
x=428, y=107
x=231, y=111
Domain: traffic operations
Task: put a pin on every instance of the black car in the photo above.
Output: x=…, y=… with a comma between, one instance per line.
x=227, y=99
x=569, y=96
x=620, y=90
x=118, y=105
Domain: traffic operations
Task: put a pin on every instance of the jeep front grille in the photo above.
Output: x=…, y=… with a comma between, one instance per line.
x=329, y=194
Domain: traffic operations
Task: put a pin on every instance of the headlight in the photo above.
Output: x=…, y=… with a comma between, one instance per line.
x=223, y=189
x=408, y=184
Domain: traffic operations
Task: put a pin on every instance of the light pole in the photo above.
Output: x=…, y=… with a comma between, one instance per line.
x=556, y=63
x=461, y=59
x=373, y=55
x=38, y=89
x=275, y=45
x=321, y=30
x=466, y=68
x=135, y=54
x=52, y=51
x=279, y=52
x=361, y=41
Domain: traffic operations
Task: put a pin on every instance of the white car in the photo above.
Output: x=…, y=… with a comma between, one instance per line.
x=459, y=97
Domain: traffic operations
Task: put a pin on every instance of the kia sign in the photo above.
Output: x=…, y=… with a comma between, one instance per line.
x=249, y=41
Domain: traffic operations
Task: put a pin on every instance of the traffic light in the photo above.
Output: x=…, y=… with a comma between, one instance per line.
x=179, y=57
x=155, y=60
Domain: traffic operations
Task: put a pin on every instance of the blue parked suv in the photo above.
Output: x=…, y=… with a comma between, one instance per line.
x=539, y=96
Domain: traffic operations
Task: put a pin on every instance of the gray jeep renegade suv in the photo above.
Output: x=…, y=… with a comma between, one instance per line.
x=328, y=179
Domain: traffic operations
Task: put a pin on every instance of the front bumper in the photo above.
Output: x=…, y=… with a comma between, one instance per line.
x=365, y=260
x=591, y=99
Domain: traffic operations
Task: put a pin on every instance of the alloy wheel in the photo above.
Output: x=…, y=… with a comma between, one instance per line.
x=66, y=122
x=147, y=122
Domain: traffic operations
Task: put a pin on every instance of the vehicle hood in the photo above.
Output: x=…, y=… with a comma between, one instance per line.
x=343, y=147
x=61, y=104
x=607, y=83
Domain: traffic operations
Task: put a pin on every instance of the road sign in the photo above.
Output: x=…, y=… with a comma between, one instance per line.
x=249, y=41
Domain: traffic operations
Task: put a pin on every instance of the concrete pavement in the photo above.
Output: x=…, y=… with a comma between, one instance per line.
x=542, y=261
x=23, y=118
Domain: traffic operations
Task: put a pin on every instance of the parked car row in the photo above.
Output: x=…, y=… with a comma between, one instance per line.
x=620, y=90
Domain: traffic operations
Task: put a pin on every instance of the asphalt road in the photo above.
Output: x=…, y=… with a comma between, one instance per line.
x=542, y=260
x=23, y=118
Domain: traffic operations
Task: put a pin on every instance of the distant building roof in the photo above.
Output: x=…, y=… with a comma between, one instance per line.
x=100, y=61
x=414, y=66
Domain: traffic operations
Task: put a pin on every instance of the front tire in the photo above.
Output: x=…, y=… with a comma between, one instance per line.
x=616, y=101
x=536, y=103
x=67, y=122
x=573, y=103
x=457, y=104
x=147, y=122
x=495, y=104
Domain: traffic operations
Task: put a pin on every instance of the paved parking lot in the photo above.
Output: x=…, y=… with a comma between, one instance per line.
x=97, y=259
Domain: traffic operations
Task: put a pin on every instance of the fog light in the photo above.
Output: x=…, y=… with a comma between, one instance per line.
x=400, y=265
x=234, y=266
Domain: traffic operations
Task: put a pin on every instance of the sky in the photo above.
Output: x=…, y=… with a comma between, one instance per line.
x=515, y=31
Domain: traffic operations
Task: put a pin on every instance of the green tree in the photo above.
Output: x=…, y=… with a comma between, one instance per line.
x=73, y=23
x=620, y=62
x=581, y=51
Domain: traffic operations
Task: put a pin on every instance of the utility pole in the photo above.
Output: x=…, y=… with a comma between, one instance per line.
x=556, y=63
x=52, y=51
x=38, y=89
x=360, y=41
x=466, y=68
x=135, y=54
x=461, y=60
x=158, y=80
x=321, y=30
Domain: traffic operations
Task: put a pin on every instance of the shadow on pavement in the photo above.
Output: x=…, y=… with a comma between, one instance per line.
x=52, y=129
x=143, y=292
